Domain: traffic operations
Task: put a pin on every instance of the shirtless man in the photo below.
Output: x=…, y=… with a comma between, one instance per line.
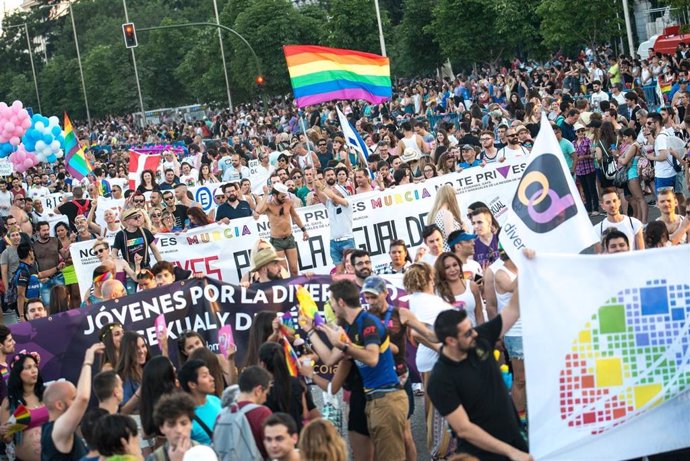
x=362, y=182
x=277, y=205
x=17, y=210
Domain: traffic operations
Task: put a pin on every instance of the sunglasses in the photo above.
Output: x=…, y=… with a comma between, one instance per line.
x=511, y=135
x=297, y=176
x=169, y=198
x=139, y=202
x=156, y=215
x=101, y=250
x=485, y=139
x=167, y=216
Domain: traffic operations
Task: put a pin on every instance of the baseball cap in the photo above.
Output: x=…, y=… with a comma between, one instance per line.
x=374, y=285
x=467, y=147
x=458, y=236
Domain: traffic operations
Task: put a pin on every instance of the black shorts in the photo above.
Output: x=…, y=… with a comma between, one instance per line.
x=356, y=418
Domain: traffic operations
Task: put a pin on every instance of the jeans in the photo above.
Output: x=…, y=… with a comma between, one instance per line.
x=589, y=187
x=55, y=280
x=337, y=248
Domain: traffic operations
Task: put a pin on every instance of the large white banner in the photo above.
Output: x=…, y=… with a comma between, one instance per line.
x=607, y=353
x=378, y=218
x=547, y=213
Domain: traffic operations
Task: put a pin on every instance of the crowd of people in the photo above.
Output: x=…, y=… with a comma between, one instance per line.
x=461, y=285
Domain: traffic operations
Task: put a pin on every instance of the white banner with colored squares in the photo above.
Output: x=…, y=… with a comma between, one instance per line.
x=607, y=353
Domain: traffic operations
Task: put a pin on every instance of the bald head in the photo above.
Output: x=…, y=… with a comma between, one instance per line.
x=58, y=396
x=113, y=289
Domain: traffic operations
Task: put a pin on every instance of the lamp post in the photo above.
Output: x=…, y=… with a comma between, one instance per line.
x=81, y=70
x=222, y=55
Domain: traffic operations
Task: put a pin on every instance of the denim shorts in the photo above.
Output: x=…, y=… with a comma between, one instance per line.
x=664, y=183
x=338, y=247
x=514, y=347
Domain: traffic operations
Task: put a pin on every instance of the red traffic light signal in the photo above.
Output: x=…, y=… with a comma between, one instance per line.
x=130, y=35
x=260, y=80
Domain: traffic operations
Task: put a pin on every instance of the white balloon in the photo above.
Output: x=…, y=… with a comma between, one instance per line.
x=53, y=121
x=40, y=126
x=40, y=145
x=55, y=145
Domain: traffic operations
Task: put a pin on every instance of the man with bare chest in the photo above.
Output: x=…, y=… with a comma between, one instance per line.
x=17, y=210
x=281, y=213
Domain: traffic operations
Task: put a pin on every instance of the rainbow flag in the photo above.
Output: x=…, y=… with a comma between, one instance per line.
x=75, y=161
x=290, y=357
x=320, y=74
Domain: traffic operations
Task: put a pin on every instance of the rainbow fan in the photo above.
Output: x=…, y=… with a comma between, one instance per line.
x=19, y=421
x=290, y=357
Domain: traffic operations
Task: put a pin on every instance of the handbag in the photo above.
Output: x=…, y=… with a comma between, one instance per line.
x=333, y=409
x=620, y=179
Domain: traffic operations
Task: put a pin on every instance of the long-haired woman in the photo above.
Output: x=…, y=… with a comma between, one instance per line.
x=288, y=394
x=134, y=354
x=110, y=335
x=191, y=341
x=25, y=387
x=445, y=212
x=419, y=281
x=452, y=286
x=62, y=233
x=205, y=175
x=320, y=441
x=158, y=379
x=148, y=182
x=630, y=152
x=265, y=327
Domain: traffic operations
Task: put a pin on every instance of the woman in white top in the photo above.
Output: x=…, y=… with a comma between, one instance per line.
x=455, y=289
x=426, y=305
x=445, y=213
x=112, y=225
x=506, y=283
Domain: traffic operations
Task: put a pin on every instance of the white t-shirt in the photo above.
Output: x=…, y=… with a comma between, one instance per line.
x=426, y=307
x=471, y=269
x=5, y=202
x=664, y=168
x=629, y=226
x=511, y=154
x=39, y=191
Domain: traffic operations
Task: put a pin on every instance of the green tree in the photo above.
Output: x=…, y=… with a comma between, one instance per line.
x=465, y=31
x=569, y=24
x=352, y=25
x=268, y=25
x=414, y=51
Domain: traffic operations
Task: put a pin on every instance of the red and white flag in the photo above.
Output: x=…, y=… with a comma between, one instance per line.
x=138, y=162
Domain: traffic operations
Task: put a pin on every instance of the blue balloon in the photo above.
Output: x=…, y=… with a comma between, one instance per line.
x=57, y=131
x=6, y=149
x=51, y=158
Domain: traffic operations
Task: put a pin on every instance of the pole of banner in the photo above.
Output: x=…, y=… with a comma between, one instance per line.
x=304, y=128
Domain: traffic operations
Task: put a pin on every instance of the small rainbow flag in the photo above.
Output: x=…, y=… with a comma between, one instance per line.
x=75, y=161
x=320, y=74
x=290, y=357
x=307, y=306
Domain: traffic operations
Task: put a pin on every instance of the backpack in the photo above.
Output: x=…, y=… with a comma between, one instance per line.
x=677, y=144
x=232, y=436
x=82, y=209
x=608, y=163
x=645, y=169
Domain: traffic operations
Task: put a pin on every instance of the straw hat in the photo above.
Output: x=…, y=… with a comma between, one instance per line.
x=263, y=257
x=409, y=155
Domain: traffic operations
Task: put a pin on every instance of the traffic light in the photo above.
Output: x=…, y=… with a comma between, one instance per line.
x=260, y=80
x=130, y=35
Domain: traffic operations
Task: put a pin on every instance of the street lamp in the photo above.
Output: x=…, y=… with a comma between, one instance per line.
x=31, y=58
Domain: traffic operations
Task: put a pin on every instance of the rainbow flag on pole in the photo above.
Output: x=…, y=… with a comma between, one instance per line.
x=320, y=74
x=76, y=162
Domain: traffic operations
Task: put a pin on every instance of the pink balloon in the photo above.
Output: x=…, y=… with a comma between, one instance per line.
x=15, y=141
x=17, y=106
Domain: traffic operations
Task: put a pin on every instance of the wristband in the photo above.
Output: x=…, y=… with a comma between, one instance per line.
x=303, y=229
x=87, y=364
x=345, y=348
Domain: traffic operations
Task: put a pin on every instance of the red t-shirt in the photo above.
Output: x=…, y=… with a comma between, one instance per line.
x=256, y=418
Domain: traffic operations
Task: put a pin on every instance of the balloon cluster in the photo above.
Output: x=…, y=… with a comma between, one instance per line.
x=14, y=121
x=44, y=138
x=23, y=160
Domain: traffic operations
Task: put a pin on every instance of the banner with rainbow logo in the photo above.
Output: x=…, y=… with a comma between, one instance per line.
x=607, y=353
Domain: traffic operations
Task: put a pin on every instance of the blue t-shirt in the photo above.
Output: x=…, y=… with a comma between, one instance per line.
x=368, y=329
x=26, y=277
x=465, y=165
x=208, y=413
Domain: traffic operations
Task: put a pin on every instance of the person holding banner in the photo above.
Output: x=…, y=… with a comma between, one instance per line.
x=467, y=388
x=281, y=213
x=135, y=240
x=335, y=197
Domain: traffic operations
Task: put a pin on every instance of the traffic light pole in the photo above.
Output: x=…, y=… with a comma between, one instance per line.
x=210, y=24
x=136, y=73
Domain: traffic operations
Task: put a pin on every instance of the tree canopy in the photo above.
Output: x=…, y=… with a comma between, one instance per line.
x=183, y=66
